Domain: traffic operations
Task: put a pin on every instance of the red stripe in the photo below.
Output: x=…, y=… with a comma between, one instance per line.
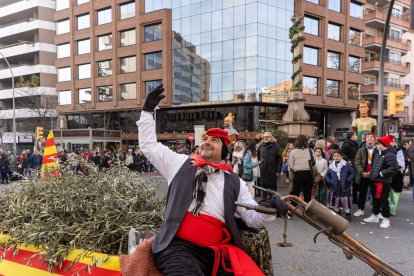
x=49, y=158
x=24, y=255
x=50, y=142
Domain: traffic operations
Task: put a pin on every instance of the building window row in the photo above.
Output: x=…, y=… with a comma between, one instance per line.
x=333, y=59
x=355, y=8
x=128, y=91
x=311, y=87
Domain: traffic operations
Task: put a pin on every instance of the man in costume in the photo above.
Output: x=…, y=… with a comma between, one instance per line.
x=199, y=235
x=363, y=123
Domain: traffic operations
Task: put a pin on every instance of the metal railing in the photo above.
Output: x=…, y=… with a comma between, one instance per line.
x=388, y=60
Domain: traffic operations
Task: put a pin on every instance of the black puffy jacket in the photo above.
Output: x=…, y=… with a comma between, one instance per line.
x=386, y=164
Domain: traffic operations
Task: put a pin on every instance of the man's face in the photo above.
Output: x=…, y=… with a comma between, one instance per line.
x=267, y=138
x=370, y=140
x=210, y=148
x=354, y=137
x=380, y=147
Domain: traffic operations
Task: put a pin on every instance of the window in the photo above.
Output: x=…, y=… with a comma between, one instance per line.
x=127, y=38
x=63, y=27
x=128, y=91
x=64, y=74
x=313, y=1
x=369, y=81
x=84, y=46
x=310, y=85
x=105, y=93
x=354, y=90
x=153, y=61
x=104, y=42
x=310, y=55
x=104, y=16
x=127, y=10
x=64, y=97
x=311, y=25
x=128, y=64
x=83, y=21
x=80, y=2
x=63, y=50
x=84, y=95
x=355, y=10
x=150, y=85
x=104, y=68
x=395, y=35
x=153, y=32
x=84, y=71
x=333, y=60
x=334, y=32
x=332, y=88
x=354, y=64
x=354, y=37
x=335, y=5
x=62, y=4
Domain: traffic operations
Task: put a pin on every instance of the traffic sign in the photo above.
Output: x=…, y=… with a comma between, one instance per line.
x=190, y=137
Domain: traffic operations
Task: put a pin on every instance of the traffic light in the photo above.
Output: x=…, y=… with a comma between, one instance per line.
x=395, y=102
x=39, y=133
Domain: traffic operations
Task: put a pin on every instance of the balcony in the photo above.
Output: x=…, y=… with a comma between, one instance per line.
x=26, y=113
x=396, y=66
x=24, y=5
x=25, y=26
x=376, y=19
x=389, y=85
x=23, y=70
x=374, y=40
x=26, y=91
x=26, y=48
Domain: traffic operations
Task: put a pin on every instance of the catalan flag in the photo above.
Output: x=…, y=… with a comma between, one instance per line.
x=50, y=161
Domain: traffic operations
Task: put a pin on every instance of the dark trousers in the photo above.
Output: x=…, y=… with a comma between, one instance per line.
x=381, y=204
x=183, y=258
x=363, y=190
x=355, y=190
x=302, y=181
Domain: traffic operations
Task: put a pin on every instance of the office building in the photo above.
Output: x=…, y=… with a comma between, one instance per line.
x=27, y=31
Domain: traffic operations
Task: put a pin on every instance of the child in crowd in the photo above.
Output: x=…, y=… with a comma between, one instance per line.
x=319, y=181
x=339, y=178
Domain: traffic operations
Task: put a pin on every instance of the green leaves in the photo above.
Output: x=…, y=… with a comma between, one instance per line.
x=92, y=212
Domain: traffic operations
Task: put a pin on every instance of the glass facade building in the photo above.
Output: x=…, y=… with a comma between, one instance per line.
x=232, y=51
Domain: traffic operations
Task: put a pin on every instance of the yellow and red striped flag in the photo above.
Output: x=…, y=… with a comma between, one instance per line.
x=50, y=161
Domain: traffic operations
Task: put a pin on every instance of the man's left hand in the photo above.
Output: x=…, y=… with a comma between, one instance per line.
x=153, y=99
x=280, y=205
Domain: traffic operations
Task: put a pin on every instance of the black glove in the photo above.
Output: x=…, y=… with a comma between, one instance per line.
x=280, y=205
x=153, y=99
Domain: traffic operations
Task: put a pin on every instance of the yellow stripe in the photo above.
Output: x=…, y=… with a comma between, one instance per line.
x=49, y=151
x=9, y=268
x=113, y=262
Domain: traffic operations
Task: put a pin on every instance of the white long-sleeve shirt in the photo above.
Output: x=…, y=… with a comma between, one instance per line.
x=169, y=162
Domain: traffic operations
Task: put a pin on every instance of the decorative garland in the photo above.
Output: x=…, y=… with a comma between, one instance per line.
x=295, y=39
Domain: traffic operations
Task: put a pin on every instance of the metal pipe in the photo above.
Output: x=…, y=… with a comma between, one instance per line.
x=14, y=106
x=381, y=70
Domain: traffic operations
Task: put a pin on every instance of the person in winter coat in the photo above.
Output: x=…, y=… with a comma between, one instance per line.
x=250, y=162
x=319, y=180
x=238, y=154
x=410, y=153
x=36, y=160
x=4, y=168
x=349, y=150
x=385, y=165
x=339, y=177
x=397, y=179
x=270, y=156
x=364, y=160
x=299, y=164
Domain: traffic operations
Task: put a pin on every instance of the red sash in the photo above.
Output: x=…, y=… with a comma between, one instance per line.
x=207, y=231
x=368, y=167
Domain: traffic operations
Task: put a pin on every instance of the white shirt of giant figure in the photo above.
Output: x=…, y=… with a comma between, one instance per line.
x=169, y=162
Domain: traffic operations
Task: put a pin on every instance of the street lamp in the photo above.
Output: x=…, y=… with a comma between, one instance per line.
x=14, y=107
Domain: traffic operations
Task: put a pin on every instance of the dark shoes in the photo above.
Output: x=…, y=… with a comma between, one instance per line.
x=348, y=216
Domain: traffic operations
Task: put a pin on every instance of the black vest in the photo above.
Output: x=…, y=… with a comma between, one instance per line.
x=179, y=197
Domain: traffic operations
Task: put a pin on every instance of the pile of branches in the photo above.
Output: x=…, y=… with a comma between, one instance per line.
x=93, y=212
